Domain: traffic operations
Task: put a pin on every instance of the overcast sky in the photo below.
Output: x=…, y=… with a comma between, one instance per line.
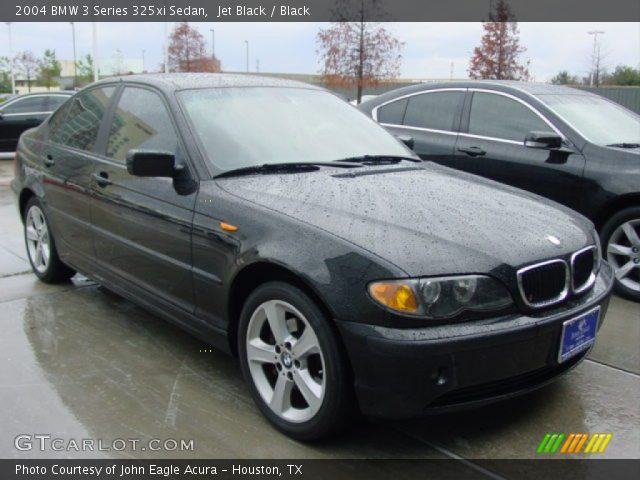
x=291, y=47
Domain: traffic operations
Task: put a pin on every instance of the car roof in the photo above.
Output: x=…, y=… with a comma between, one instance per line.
x=534, y=88
x=171, y=82
x=513, y=86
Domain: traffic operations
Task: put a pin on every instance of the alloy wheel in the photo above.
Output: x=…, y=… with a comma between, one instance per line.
x=623, y=253
x=38, y=239
x=285, y=360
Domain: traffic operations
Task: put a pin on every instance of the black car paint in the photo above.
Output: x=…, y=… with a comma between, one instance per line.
x=330, y=232
x=591, y=179
x=13, y=125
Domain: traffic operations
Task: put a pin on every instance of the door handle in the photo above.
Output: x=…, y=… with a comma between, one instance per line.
x=49, y=161
x=472, y=151
x=102, y=179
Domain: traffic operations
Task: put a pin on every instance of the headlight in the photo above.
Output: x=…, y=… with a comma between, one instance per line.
x=442, y=297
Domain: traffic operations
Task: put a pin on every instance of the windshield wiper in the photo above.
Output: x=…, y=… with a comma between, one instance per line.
x=379, y=159
x=290, y=167
x=624, y=145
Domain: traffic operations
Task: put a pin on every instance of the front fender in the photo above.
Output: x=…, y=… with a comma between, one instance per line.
x=335, y=269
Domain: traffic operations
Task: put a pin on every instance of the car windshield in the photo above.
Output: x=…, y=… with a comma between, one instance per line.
x=248, y=126
x=598, y=120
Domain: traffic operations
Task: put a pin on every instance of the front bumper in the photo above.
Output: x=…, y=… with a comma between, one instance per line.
x=403, y=373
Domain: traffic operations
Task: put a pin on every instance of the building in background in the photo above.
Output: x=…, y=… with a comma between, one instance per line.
x=117, y=64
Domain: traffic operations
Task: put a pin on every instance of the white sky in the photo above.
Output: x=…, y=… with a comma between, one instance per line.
x=291, y=47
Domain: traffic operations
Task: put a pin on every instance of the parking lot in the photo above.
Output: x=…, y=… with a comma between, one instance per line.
x=80, y=362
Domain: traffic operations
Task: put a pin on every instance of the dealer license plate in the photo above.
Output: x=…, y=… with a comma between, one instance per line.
x=578, y=334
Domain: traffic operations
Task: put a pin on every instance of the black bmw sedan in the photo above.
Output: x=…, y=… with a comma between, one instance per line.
x=23, y=112
x=565, y=144
x=276, y=222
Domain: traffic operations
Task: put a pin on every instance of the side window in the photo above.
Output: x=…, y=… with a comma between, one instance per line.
x=56, y=122
x=435, y=110
x=393, y=113
x=141, y=121
x=502, y=117
x=27, y=105
x=78, y=123
x=54, y=101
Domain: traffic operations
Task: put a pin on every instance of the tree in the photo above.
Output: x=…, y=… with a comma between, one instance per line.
x=27, y=66
x=84, y=69
x=498, y=56
x=50, y=68
x=187, y=51
x=5, y=75
x=360, y=54
x=623, y=75
x=565, y=78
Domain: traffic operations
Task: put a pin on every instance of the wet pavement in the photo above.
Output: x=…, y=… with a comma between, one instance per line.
x=77, y=361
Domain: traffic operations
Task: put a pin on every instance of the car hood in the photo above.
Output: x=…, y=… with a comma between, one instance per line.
x=427, y=220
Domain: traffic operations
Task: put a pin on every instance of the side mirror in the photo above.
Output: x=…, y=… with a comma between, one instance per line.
x=149, y=163
x=407, y=140
x=543, y=140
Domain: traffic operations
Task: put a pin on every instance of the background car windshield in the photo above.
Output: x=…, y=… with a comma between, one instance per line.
x=598, y=120
x=240, y=127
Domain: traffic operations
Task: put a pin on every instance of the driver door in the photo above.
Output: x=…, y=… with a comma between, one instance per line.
x=142, y=225
x=491, y=144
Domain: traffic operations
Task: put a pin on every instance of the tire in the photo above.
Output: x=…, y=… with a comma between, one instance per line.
x=41, y=247
x=620, y=237
x=281, y=366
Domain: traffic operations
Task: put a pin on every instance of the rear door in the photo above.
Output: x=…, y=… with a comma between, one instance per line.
x=431, y=118
x=20, y=115
x=142, y=226
x=491, y=144
x=68, y=158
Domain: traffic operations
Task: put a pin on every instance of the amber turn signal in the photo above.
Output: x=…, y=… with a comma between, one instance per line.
x=394, y=295
x=227, y=227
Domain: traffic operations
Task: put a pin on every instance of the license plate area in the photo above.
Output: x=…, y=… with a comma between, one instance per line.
x=578, y=334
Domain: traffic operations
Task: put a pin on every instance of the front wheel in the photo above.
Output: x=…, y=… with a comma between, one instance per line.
x=293, y=364
x=621, y=245
x=41, y=247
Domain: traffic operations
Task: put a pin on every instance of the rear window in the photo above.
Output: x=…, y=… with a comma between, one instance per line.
x=81, y=122
x=434, y=111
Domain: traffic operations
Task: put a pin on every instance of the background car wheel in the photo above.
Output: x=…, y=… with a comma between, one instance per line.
x=621, y=244
x=41, y=247
x=293, y=363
